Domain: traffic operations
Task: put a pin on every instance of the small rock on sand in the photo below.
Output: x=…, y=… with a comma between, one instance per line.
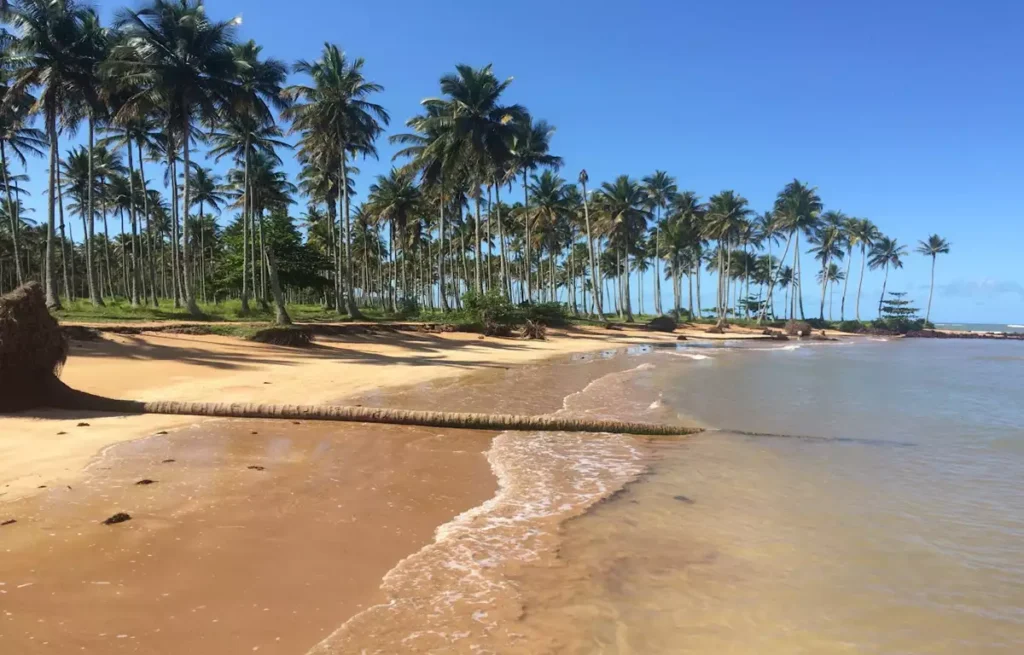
x=684, y=499
x=255, y=467
x=83, y=424
x=8, y=522
x=145, y=481
x=167, y=461
x=120, y=517
x=162, y=432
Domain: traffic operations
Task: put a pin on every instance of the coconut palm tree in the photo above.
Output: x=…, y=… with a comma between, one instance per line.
x=886, y=253
x=335, y=110
x=829, y=245
x=206, y=192
x=862, y=232
x=549, y=215
x=830, y=276
x=660, y=188
x=797, y=208
x=595, y=282
x=48, y=55
x=396, y=198
x=623, y=208
x=727, y=214
x=531, y=145
x=182, y=63
x=933, y=247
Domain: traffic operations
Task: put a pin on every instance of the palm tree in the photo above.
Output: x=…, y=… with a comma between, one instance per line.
x=798, y=209
x=21, y=140
x=660, y=188
x=863, y=233
x=531, y=144
x=396, y=198
x=886, y=253
x=76, y=177
x=549, y=215
x=336, y=112
x=726, y=217
x=829, y=245
x=827, y=276
x=183, y=64
x=206, y=192
x=49, y=54
x=933, y=247
x=595, y=281
x=624, y=211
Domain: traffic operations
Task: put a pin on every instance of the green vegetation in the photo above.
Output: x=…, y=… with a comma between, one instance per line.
x=168, y=90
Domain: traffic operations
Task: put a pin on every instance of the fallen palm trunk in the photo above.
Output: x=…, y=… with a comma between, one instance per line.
x=33, y=349
x=64, y=397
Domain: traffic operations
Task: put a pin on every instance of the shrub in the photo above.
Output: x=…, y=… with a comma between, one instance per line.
x=408, y=308
x=492, y=311
x=851, y=326
x=294, y=337
x=662, y=324
x=552, y=314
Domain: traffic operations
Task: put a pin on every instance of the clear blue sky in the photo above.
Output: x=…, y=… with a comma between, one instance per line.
x=908, y=113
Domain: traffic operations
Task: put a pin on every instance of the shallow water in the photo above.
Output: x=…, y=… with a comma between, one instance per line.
x=896, y=525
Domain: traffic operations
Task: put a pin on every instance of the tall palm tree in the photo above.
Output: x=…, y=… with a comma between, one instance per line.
x=548, y=215
x=624, y=212
x=933, y=247
x=77, y=179
x=206, y=192
x=829, y=245
x=396, y=198
x=797, y=208
x=335, y=110
x=886, y=253
x=16, y=136
x=660, y=188
x=595, y=281
x=49, y=54
x=531, y=145
x=862, y=232
x=727, y=214
x=830, y=276
x=183, y=63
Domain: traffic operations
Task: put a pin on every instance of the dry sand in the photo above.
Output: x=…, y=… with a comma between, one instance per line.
x=218, y=556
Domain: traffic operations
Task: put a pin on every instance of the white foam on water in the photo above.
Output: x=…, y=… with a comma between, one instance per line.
x=791, y=347
x=695, y=356
x=459, y=594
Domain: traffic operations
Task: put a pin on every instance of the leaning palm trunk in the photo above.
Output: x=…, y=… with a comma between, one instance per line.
x=595, y=285
x=67, y=260
x=860, y=283
x=931, y=289
x=824, y=287
x=280, y=313
x=885, y=282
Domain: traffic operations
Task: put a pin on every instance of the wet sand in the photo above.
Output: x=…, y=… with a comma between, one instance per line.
x=220, y=557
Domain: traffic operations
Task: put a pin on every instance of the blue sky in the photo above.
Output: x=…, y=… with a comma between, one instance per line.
x=907, y=113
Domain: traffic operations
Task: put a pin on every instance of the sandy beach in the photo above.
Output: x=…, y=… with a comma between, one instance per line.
x=244, y=520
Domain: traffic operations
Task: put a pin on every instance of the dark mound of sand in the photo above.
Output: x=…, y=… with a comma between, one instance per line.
x=284, y=336
x=33, y=348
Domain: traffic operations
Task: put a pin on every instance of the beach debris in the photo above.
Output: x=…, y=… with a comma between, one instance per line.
x=120, y=517
x=42, y=486
x=681, y=337
x=715, y=329
x=168, y=461
x=162, y=432
x=80, y=333
x=296, y=422
x=481, y=337
x=145, y=481
x=798, y=328
x=254, y=432
x=533, y=330
x=662, y=324
x=8, y=522
x=255, y=467
x=612, y=326
x=684, y=499
x=294, y=337
x=61, y=433
x=82, y=424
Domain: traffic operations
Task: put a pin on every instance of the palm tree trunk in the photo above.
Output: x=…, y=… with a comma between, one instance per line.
x=885, y=282
x=133, y=219
x=931, y=290
x=476, y=263
x=149, y=225
x=245, y=231
x=280, y=313
x=700, y=309
x=52, y=298
x=799, y=276
x=202, y=252
x=526, y=224
x=824, y=286
x=505, y=284
x=860, y=283
x=441, y=288
x=176, y=290
x=350, y=303
x=595, y=284
x=68, y=261
x=12, y=215
x=190, y=295
x=490, y=239
x=657, y=265
x=846, y=283
x=106, y=246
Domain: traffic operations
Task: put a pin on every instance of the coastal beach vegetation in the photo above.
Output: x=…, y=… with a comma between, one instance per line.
x=167, y=92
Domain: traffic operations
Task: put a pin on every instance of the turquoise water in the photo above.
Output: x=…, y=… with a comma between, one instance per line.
x=983, y=327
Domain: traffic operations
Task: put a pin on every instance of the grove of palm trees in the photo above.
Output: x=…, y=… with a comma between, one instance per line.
x=133, y=118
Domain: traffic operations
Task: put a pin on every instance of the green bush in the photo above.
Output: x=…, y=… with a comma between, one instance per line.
x=898, y=325
x=408, y=308
x=551, y=314
x=850, y=326
x=492, y=311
